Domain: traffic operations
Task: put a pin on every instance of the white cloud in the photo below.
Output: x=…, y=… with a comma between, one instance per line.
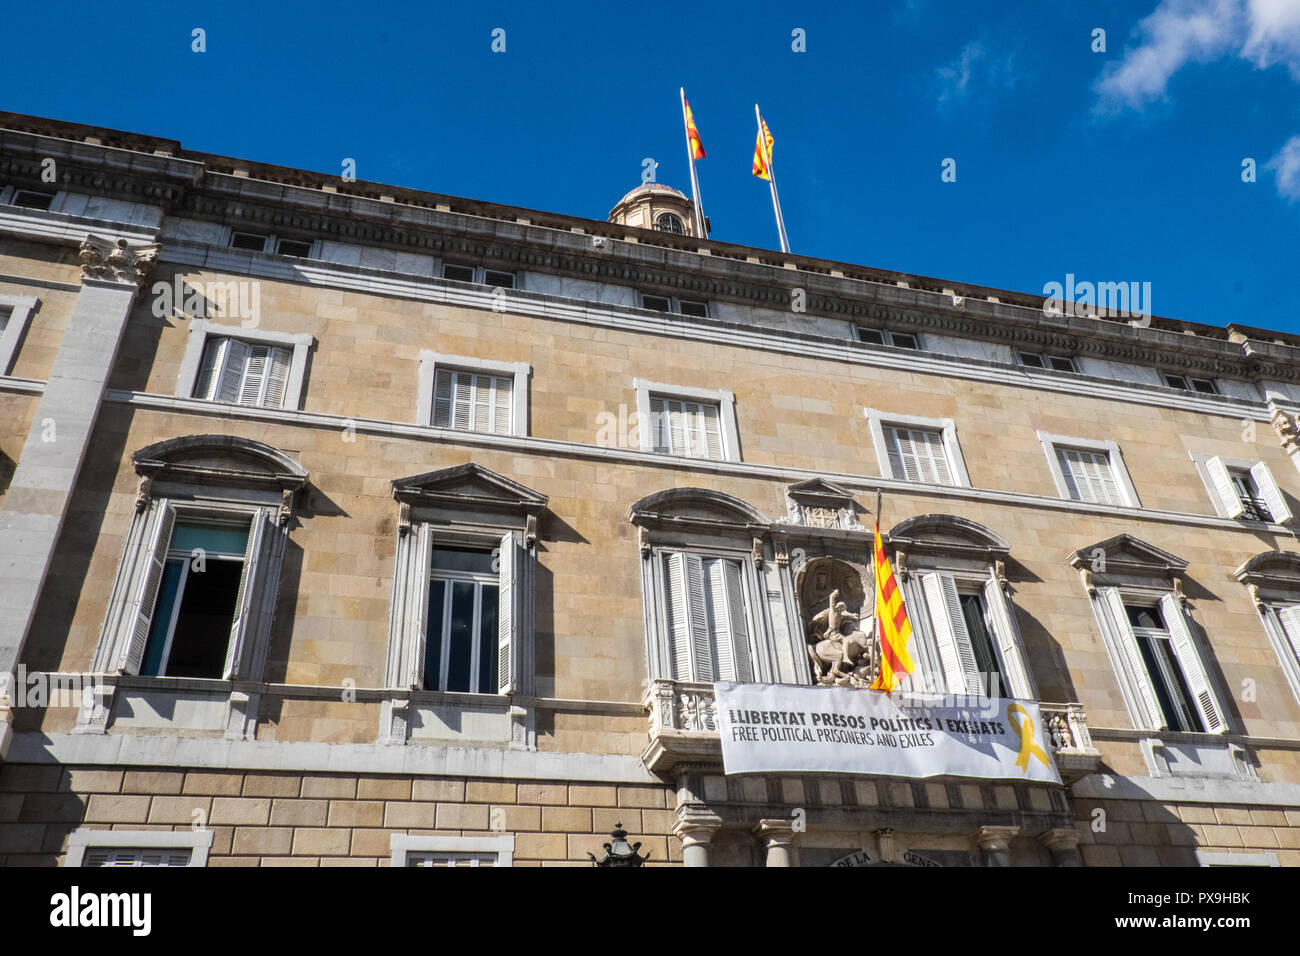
x=973, y=67
x=1287, y=164
x=1178, y=32
x=1274, y=35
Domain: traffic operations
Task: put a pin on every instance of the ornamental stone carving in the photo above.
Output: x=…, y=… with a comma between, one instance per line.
x=1288, y=432
x=118, y=261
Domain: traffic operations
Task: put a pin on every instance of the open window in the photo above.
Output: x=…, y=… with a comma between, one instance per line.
x=1242, y=489
x=462, y=613
x=1272, y=579
x=967, y=637
x=196, y=588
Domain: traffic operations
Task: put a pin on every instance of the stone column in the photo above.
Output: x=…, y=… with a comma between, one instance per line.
x=1063, y=844
x=51, y=459
x=777, y=836
x=696, y=834
x=995, y=844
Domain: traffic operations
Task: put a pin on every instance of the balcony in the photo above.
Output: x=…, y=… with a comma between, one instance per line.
x=684, y=729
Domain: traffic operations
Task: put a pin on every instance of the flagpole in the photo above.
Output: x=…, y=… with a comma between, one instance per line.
x=875, y=590
x=695, y=179
x=771, y=181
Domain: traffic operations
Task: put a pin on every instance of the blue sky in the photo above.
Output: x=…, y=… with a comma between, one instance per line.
x=1117, y=166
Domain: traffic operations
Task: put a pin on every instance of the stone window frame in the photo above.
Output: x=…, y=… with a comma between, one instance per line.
x=1135, y=570
x=520, y=372
x=1113, y=453
x=673, y=521
x=1272, y=579
x=202, y=329
x=973, y=556
x=402, y=844
x=468, y=506
x=171, y=488
x=198, y=842
x=22, y=307
x=725, y=400
x=878, y=421
x=1221, y=507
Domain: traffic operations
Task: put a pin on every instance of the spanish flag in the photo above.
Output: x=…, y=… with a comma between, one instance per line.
x=891, y=622
x=692, y=134
x=763, y=152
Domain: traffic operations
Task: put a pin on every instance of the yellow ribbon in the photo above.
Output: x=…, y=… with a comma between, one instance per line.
x=1028, y=745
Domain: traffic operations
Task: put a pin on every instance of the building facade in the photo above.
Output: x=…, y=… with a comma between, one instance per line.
x=350, y=524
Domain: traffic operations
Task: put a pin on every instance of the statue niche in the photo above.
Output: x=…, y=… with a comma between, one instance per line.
x=838, y=626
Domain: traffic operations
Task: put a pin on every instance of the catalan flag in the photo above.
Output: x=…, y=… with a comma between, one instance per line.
x=763, y=151
x=692, y=133
x=892, y=625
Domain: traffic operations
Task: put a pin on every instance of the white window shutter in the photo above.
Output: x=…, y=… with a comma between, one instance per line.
x=509, y=613
x=277, y=377
x=1224, y=488
x=482, y=402
x=1010, y=644
x=250, y=392
x=726, y=605
x=1290, y=619
x=1194, y=671
x=502, y=412
x=442, y=398
x=1149, y=714
x=701, y=642
x=410, y=609
x=245, y=600
x=894, y=449
x=140, y=614
x=214, y=351
x=232, y=371
x=739, y=621
x=462, y=391
x=679, y=627
x=712, y=432
x=1270, y=492
x=658, y=425
x=945, y=633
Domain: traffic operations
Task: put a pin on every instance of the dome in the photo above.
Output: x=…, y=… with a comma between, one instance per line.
x=651, y=189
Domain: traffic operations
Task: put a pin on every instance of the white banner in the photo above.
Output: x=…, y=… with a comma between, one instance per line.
x=788, y=728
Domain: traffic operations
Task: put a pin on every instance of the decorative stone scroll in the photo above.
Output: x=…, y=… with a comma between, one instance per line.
x=118, y=261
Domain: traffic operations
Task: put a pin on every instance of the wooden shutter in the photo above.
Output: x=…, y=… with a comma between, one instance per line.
x=902, y=457
x=1226, y=491
x=503, y=394
x=712, y=447
x=277, y=377
x=1015, y=665
x=701, y=641
x=730, y=623
x=679, y=625
x=246, y=603
x=1270, y=492
x=1194, y=671
x=508, y=616
x=462, y=401
x=1149, y=713
x=140, y=614
x=659, y=424
x=442, y=399
x=1290, y=620
x=410, y=610
x=956, y=656
x=932, y=460
x=232, y=371
x=250, y=392
x=481, y=400
x=214, y=352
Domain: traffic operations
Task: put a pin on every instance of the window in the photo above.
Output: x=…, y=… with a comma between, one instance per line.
x=462, y=612
x=15, y=312
x=972, y=642
x=663, y=303
x=1272, y=579
x=477, y=274
x=473, y=395
x=136, y=848
x=243, y=373
x=1089, y=471
x=1170, y=686
x=293, y=247
x=422, y=851
x=461, y=631
x=708, y=618
x=1244, y=490
x=668, y=222
x=196, y=588
x=918, y=449
x=241, y=366
x=248, y=241
x=1205, y=386
x=1059, y=363
x=31, y=199
x=689, y=422
x=899, y=340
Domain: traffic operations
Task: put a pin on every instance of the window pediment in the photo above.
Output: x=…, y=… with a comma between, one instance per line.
x=1271, y=570
x=1125, y=554
x=697, y=508
x=948, y=535
x=468, y=495
x=218, y=461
